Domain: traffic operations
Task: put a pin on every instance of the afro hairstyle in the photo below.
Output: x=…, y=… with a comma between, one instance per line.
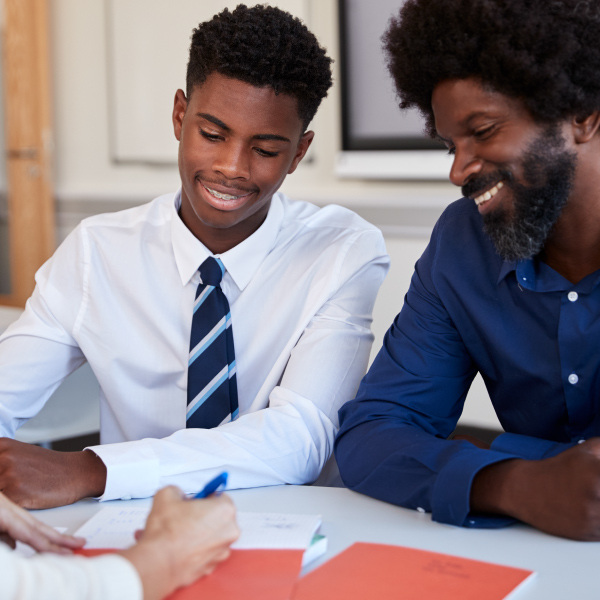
x=546, y=53
x=262, y=46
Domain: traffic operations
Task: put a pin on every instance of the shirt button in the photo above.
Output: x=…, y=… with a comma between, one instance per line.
x=420, y=509
x=573, y=379
x=581, y=441
x=573, y=296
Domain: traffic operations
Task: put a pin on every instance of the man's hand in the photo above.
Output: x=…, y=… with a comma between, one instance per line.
x=559, y=495
x=34, y=477
x=17, y=524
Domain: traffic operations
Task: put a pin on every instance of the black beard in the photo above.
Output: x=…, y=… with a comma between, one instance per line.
x=520, y=232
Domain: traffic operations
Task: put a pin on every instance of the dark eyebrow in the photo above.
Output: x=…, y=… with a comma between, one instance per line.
x=482, y=114
x=214, y=120
x=260, y=136
x=468, y=123
x=272, y=136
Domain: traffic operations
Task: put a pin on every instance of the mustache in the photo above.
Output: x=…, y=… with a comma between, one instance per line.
x=475, y=186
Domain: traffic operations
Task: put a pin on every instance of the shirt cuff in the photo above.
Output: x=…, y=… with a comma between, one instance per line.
x=528, y=447
x=131, y=471
x=452, y=490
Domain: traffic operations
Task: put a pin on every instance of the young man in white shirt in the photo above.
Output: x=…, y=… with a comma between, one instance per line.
x=300, y=281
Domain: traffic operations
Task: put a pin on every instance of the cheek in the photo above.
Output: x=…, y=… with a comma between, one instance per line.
x=269, y=177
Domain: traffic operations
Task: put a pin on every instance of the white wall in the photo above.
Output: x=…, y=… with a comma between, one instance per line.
x=88, y=179
x=84, y=165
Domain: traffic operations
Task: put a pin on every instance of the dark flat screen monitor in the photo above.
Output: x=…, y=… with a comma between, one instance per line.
x=378, y=139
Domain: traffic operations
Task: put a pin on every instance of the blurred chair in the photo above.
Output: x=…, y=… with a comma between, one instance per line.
x=72, y=411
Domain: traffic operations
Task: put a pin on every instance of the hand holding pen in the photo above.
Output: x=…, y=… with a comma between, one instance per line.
x=214, y=486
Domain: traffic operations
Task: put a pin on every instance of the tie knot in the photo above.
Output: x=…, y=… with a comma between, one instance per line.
x=211, y=271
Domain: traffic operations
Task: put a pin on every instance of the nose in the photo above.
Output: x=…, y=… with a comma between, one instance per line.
x=465, y=164
x=232, y=161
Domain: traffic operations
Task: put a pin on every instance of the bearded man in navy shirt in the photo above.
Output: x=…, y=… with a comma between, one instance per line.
x=509, y=285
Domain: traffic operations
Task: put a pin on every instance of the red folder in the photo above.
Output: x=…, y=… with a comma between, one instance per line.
x=398, y=573
x=261, y=574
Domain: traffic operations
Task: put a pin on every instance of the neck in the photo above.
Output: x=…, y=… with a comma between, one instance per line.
x=220, y=239
x=574, y=266
x=573, y=249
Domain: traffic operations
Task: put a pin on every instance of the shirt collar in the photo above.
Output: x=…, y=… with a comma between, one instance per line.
x=535, y=275
x=531, y=275
x=241, y=262
x=506, y=267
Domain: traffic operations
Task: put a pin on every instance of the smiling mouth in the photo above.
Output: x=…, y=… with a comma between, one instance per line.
x=489, y=194
x=221, y=196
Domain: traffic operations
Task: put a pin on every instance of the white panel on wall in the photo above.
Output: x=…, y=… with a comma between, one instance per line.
x=148, y=42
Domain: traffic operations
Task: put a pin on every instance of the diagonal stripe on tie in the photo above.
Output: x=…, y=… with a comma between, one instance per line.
x=208, y=390
x=212, y=335
x=202, y=296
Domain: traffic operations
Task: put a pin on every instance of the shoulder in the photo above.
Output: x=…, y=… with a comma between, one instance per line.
x=460, y=228
x=459, y=248
x=123, y=231
x=156, y=212
x=459, y=212
x=329, y=224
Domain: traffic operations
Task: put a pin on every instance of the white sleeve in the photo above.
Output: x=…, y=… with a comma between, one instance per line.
x=48, y=576
x=291, y=439
x=38, y=351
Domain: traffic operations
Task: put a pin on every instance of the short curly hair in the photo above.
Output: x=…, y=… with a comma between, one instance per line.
x=544, y=52
x=262, y=46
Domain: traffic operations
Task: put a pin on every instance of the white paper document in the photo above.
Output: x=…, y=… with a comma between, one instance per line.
x=114, y=527
x=275, y=531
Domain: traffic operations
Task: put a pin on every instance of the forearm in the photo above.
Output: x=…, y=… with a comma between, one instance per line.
x=528, y=447
x=281, y=444
x=154, y=569
x=35, y=477
x=559, y=495
x=404, y=465
x=46, y=577
x=495, y=489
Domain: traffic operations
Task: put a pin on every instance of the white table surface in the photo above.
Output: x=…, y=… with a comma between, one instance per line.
x=565, y=569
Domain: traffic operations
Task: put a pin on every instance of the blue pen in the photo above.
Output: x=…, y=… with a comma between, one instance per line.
x=214, y=485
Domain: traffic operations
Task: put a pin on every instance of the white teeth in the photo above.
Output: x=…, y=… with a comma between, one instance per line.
x=223, y=196
x=489, y=194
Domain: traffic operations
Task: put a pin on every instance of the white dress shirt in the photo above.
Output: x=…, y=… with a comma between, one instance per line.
x=48, y=577
x=119, y=293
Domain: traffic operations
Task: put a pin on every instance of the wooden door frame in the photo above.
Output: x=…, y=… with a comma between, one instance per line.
x=28, y=141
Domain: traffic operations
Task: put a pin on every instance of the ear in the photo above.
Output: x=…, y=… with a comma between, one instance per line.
x=586, y=127
x=301, y=149
x=179, y=108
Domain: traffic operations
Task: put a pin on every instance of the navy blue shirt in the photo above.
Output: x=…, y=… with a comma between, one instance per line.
x=533, y=336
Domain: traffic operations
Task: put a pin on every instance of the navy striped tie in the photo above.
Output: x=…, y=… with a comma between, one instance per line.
x=212, y=387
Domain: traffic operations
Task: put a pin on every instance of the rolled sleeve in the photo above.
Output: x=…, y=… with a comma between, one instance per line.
x=452, y=490
x=527, y=447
